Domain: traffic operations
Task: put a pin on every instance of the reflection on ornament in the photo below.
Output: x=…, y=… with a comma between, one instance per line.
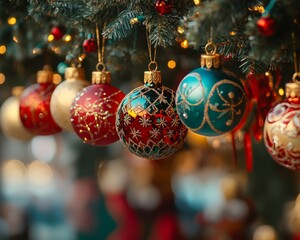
x=35, y=105
x=210, y=102
x=93, y=111
x=282, y=129
x=10, y=121
x=147, y=121
x=64, y=95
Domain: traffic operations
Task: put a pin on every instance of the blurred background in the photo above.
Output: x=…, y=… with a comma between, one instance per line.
x=58, y=188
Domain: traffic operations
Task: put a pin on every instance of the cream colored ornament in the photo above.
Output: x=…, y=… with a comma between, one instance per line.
x=10, y=121
x=282, y=129
x=265, y=232
x=64, y=95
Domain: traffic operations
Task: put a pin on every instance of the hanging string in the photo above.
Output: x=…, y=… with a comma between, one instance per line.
x=152, y=57
x=211, y=35
x=100, y=49
x=296, y=75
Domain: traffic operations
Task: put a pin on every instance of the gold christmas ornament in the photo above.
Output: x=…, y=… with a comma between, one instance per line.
x=10, y=120
x=63, y=96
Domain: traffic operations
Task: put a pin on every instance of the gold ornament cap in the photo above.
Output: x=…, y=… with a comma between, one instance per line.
x=152, y=77
x=211, y=59
x=45, y=75
x=292, y=90
x=74, y=73
x=17, y=91
x=102, y=77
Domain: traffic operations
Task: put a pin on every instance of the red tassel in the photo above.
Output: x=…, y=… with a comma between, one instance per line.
x=248, y=151
x=234, y=149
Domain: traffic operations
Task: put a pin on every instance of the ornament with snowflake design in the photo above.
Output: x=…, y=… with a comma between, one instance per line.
x=147, y=121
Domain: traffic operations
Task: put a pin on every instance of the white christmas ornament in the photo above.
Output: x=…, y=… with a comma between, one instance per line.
x=10, y=120
x=63, y=96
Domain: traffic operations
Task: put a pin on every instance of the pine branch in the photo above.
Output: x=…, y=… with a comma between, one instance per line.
x=120, y=27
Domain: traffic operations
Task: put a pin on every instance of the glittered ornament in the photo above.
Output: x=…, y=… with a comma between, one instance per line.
x=147, y=121
x=282, y=129
x=35, y=105
x=164, y=7
x=10, y=120
x=64, y=95
x=89, y=45
x=93, y=112
x=210, y=101
x=58, y=32
x=266, y=26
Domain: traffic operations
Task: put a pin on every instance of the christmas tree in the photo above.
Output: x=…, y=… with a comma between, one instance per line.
x=258, y=41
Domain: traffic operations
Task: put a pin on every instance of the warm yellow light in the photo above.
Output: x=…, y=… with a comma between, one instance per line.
x=281, y=91
x=171, y=64
x=13, y=171
x=180, y=30
x=40, y=173
x=197, y=2
x=232, y=33
x=50, y=38
x=184, y=44
x=56, y=78
x=67, y=38
x=11, y=21
x=2, y=78
x=82, y=57
x=2, y=49
x=15, y=39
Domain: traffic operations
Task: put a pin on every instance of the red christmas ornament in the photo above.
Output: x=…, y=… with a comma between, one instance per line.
x=282, y=129
x=93, y=112
x=58, y=32
x=90, y=45
x=266, y=26
x=164, y=7
x=147, y=121
x=35, y=106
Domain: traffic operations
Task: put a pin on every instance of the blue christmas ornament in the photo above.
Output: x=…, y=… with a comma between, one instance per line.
x=210, y=101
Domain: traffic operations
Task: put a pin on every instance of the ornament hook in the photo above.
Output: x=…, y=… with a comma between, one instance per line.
x=152, y=66
x=296, y=77
x=210, y=48
x=100, y=67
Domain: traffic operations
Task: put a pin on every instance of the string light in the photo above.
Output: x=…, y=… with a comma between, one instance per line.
x=180, y=30
x=171, y=64
x=197, y=2
x=184, y=44
x=15, y=39
x=12, y=21
x=67, y=38
x=56, y=78
x=281, y=91
x=2, y=49
x=2, y=78
x=50, y=38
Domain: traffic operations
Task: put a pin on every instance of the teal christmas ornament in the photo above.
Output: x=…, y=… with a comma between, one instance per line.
x=210, y=101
